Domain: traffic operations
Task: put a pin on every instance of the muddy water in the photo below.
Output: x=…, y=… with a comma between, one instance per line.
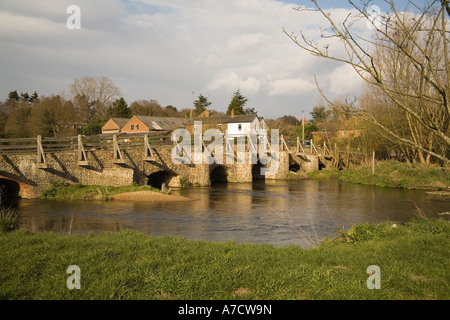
x=277, y=213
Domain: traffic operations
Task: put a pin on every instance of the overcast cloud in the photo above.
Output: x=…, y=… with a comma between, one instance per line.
x=171, y=51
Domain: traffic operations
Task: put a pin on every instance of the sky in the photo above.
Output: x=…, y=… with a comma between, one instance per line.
x=173, y=50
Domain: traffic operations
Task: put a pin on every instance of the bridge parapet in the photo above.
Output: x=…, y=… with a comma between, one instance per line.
x=111, y=160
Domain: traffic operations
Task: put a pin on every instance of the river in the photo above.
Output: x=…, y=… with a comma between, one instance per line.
x=272, y=212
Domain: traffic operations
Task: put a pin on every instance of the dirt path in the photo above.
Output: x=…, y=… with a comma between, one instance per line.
x=149, y=196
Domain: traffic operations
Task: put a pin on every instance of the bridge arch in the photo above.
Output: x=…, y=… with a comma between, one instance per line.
x=12, y=187
x=160, y=178
x=218, y=175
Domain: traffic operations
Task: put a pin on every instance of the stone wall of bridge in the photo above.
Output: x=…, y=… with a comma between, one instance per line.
x=101, y=169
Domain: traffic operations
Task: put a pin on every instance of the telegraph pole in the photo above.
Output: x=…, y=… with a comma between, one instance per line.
x=303, y=126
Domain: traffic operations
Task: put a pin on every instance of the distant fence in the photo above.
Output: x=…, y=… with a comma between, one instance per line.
x=94, y=142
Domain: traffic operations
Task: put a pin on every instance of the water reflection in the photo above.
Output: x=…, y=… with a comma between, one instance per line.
x=274, y=212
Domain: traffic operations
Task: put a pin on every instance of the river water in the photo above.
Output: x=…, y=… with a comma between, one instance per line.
x=272, y=212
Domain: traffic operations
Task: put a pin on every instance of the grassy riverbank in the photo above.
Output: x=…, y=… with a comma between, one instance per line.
x=61, y=191
x=393, y=174
x=413, y=259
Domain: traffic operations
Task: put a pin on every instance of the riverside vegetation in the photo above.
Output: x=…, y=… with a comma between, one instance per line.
x=413, y=259
x=61, y=191
x=390, y=173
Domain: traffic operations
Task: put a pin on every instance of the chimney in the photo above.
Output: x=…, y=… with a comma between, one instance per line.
x=207, y=113
x=232, y=113
x=191, y=115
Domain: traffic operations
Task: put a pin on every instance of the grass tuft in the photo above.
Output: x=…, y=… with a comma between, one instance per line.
x=62, y=191
x=8, y=219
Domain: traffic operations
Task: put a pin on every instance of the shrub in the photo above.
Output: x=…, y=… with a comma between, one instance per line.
x=185, y=183
x=8, y=219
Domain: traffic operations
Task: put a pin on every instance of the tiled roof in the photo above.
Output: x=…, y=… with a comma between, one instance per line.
x=224, y=119
x=163, y=123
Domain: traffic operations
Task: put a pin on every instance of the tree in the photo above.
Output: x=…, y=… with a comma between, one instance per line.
x=25, y=97
x=17, y=125
x=52, y=116
x=250, y=111
x=420, y=42
x=84, y=110
x=34, y=98
x=13, y=96
x=319, y=114
x=119, y=109
x=237, y=104
x=92, y=128
x=201, y=104
x=100, y=93
x=309, y=128
x=147, y=108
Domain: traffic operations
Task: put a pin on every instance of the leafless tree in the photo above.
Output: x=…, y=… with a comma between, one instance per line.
x=406, y=60
x=99, y=93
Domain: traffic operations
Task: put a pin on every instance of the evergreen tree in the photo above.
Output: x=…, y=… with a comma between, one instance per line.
x=24, y=96
x=34, y=97
x=119, y=109
x=250, y=111
x=237, y=104
x=13, y=96
x=201, y=104
x=320, y=114
x=309, y=127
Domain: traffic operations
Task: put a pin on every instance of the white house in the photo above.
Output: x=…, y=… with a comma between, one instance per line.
x=232, y=126
x=243, y=125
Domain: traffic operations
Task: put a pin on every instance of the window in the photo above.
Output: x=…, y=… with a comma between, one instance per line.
x=219, y=126
x=132, y=127
x=137, y=126
x=239, y=127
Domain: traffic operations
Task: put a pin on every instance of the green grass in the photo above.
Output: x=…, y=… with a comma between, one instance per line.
x=391, y=173
x=61, y=191
x=324, y=174
x=413, y=259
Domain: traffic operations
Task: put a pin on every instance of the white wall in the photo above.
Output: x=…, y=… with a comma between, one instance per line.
x=246, y=128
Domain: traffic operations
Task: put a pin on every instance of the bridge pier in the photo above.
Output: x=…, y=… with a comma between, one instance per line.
x=240, y=172
x=283, y=168
x=311, y=163
x=199, y=175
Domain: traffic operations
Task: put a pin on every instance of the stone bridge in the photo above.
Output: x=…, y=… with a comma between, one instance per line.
x=29, y=166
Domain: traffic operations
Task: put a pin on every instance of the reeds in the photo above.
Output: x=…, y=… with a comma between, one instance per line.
x=8, y=219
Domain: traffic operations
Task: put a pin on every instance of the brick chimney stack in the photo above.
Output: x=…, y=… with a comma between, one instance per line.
x=191, y=115
x=232, y=113
x=207, y=113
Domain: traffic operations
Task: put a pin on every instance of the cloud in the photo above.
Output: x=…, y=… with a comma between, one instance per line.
x=231, y=81
x=290, y=87
x=164, y=50
x=343, y=80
